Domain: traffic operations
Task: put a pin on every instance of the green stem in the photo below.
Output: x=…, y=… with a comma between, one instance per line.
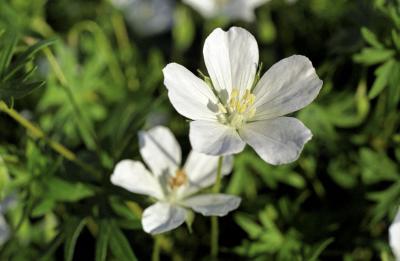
x=39, y=134
x=93, y=144
x=155, y=256
x=214, y=220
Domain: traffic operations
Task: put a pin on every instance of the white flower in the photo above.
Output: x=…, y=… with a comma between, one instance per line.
x=394, y=236
x=173, y=187
x=232, y=9
x=147, y=17
x=232, y=113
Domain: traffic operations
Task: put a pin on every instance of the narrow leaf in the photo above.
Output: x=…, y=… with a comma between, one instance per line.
x=102, y=240
x=371, y=38
x=321, y=247
x=382, y=73
x=73, y=228
x=7, y=52
x=370, y=56
x=120, y=246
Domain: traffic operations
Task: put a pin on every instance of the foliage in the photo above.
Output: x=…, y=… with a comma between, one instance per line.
x=101, y=83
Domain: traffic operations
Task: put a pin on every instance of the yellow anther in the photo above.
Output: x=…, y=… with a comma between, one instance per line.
x=178, y=180
x=241, y=108
x=251, y=99
x=234, y=93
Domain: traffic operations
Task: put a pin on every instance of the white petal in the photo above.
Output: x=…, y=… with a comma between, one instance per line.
x=277, y=141
x=160, y=150
x=213, y=138
x=189, y=95
x=394, y=236
x=201, y=170
x=133, y=176
x=287, y=86
x=162, y=217
x=213, y=204
x=256, y=3
x=206, y=8
x=231, y=59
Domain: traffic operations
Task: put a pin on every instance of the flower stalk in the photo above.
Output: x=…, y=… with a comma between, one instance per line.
x=214, y=220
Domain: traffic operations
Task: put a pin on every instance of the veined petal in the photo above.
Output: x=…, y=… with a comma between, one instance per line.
x=287, y=86
x=213, y=204
x=189, y=95
x=277, y=141
x=201, y=170
x=394, y=236
x=231, y=59
x=162, y=217
x=160, y=150
x=213, y=138
x=133, y=176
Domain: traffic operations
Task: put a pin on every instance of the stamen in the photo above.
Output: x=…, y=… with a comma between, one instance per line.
x=178, y=180
x=238, y=109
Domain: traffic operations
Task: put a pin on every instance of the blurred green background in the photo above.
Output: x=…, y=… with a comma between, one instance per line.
x=93, y=71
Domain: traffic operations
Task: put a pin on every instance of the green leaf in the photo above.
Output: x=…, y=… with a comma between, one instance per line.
x=396, y=39
x=4, y=176
x=376, y=167
x=7, y=52
x=43, y=207
x=33, y=49
x=319, y=248
x=73, y=228
x=61, y=190
x=14, y=77
x=370, y=56
x=371, y=38
x=119, y=245
x=247, y=224
x=382, y=74
x=102, y=240
x=17, y=89
x=386, y=201
x=393, y=89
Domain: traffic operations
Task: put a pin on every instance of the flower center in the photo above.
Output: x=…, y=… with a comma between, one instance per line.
x=238, y=109
x=178, y=180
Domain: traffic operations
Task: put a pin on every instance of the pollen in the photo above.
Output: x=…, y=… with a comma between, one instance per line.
x=241, y=104
x=238, y=108
x=178, y=180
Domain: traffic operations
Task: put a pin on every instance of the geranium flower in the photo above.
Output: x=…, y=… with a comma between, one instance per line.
x=394, y=236
x=231, y=9
x=234, y=110
x=147, y=17
x=174, y=187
